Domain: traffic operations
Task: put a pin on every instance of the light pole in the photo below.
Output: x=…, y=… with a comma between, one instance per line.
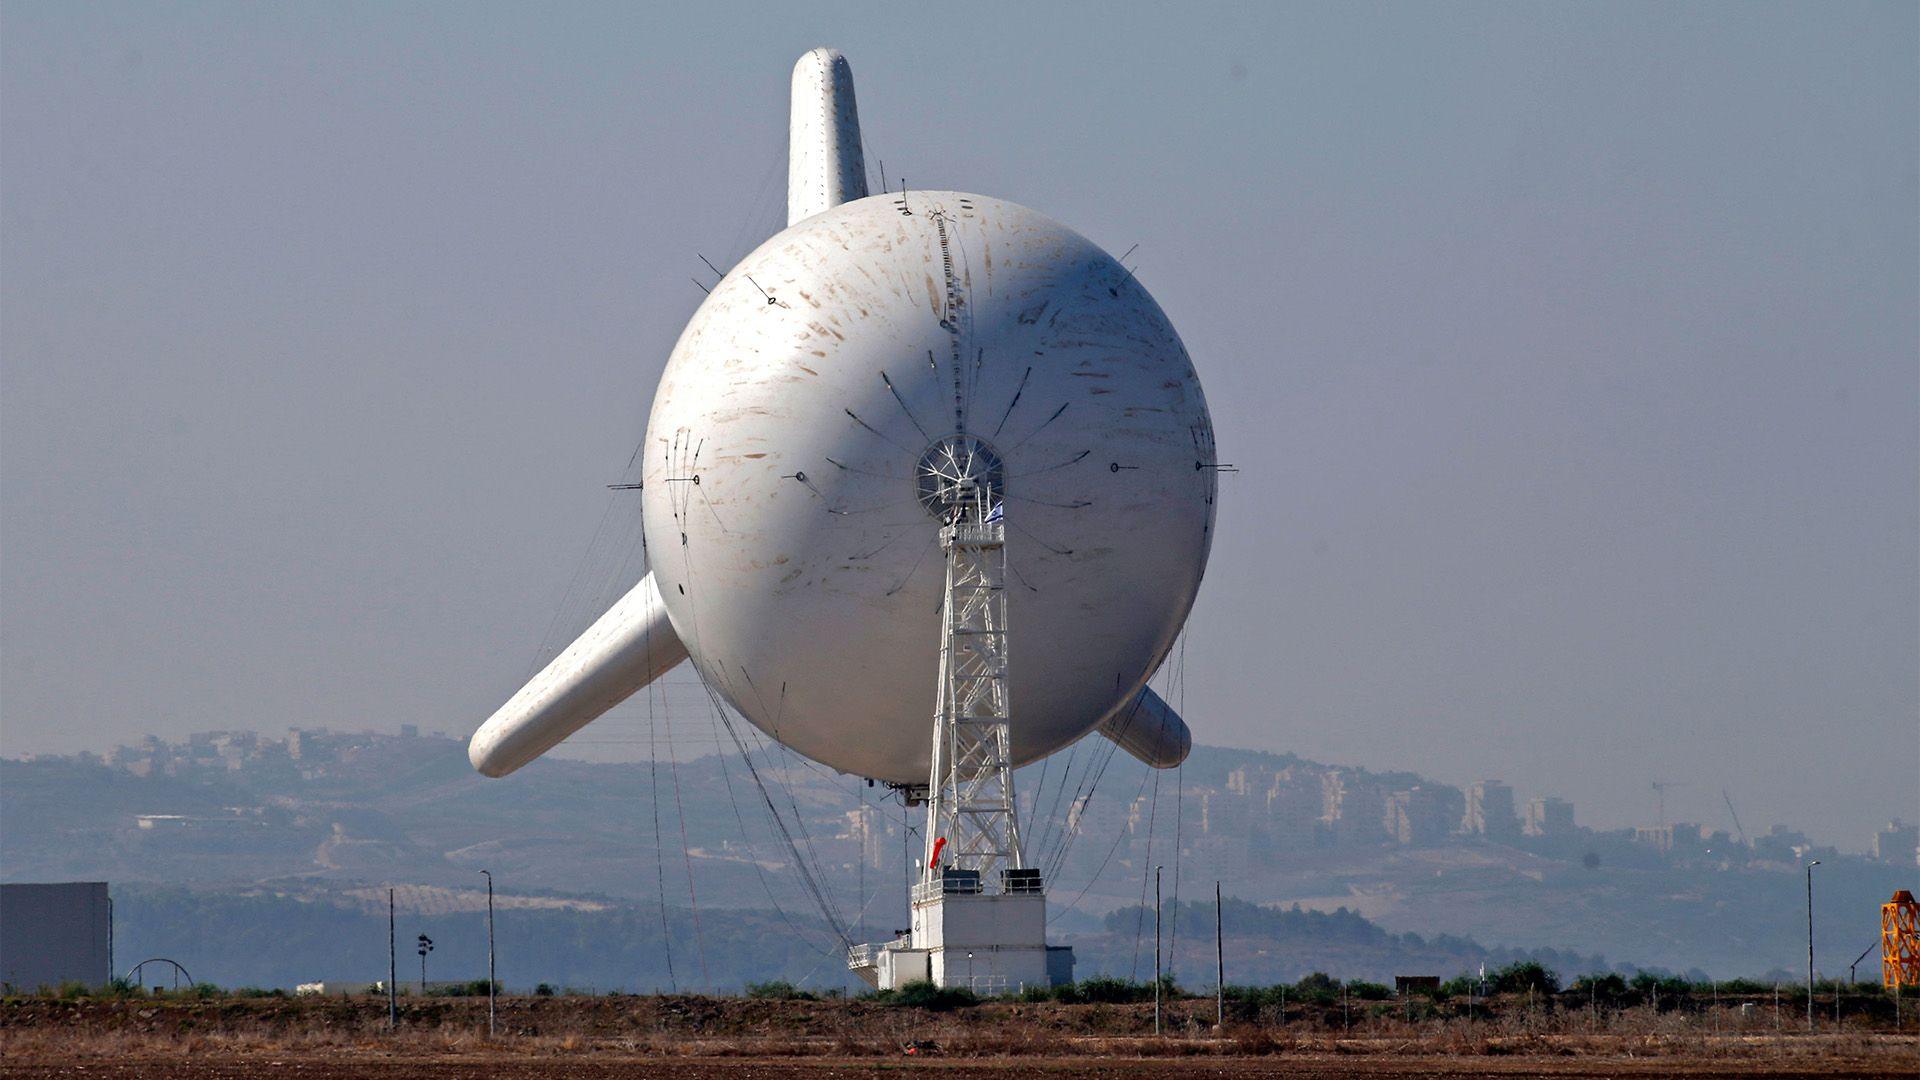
x=1156, y=951
x=489, y=952
x=1810, y=867
x=1220, y=963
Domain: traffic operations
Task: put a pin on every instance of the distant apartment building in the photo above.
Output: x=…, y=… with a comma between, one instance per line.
x=1423, y=814
x=1141, y=815
x=1241, y=781
x=1548, y=816
x=867, y=829
x=1658, y=837
x=1898, y=843
x=1780, y=844
x=1681, y=837
x=1490, y=811
x=1223, y=813
x=1293, y=807
x=1076, y=816
x=1351, y=808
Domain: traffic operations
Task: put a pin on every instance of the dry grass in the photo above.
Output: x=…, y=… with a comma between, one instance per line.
x=41, y=1030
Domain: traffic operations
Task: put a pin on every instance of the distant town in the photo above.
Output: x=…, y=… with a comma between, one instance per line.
x=1292, y=805
x=335, y=818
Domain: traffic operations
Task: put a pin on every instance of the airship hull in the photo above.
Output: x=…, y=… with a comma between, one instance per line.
x=786, y=539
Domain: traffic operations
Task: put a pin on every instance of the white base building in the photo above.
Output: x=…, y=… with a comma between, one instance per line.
x=990, y=943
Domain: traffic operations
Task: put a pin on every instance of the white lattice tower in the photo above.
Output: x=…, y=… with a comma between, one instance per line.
x=970, y=789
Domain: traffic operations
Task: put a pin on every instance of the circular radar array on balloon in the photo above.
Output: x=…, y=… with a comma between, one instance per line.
x=958, y=472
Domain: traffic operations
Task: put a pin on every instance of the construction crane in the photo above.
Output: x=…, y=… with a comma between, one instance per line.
x=1736, y=817
x=1660, y=795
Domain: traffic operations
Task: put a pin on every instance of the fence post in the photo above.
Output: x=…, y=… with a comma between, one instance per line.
x=393, y=972
x=1220, y=962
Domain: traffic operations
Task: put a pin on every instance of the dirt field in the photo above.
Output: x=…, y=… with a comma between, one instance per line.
x=735, y=1039
x=1308, y=1066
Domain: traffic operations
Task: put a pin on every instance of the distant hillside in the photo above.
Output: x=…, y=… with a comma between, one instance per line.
x=320, y=815
x=277, y=939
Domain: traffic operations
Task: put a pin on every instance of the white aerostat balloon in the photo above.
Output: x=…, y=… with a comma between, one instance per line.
x=792, y=559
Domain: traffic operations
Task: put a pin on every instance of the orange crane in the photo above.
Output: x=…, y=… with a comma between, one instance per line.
x=1900, y=941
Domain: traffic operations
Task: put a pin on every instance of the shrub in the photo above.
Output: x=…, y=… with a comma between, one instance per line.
x=922, y=994
x=1658, y=989
x=1610, y=987
x=1256, y=996
x=1318, y=988
x=779, y=990
x=1369, y=991
x=1106, y=990
x=543, y=990
x=1523, y=975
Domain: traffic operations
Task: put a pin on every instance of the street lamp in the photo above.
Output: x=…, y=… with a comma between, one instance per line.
x=489, y=952
x=1810, y=867
x=1156, y=951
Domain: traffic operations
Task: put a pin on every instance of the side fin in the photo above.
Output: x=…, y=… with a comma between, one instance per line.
x=825, y=164
x=1150, y=730
x=624, y=650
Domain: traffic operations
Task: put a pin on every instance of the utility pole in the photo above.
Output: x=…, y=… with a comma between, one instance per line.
x=393, y=986
x=489, y=952
x=1810, y=867
x=1156, y=951
x=1219, y=961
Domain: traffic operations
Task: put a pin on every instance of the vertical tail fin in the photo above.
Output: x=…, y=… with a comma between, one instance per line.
x=825, y=165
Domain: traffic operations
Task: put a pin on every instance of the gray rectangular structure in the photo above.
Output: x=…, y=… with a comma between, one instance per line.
x=51, y=934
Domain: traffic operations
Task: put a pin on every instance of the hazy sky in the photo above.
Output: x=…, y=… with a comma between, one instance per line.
x=1571, y=355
